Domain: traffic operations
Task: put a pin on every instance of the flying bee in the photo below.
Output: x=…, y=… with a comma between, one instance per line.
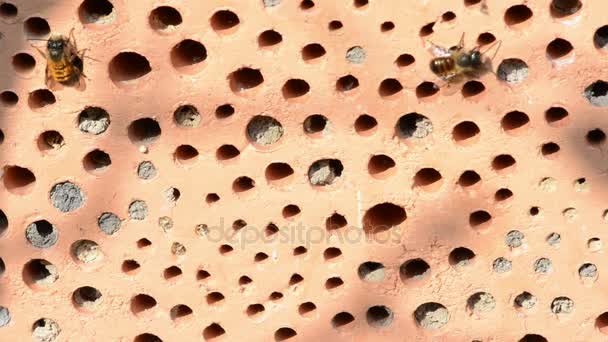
x=458, y=64
x=64, y=65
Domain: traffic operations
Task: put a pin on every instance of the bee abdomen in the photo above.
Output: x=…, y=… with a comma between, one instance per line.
x=443, y=66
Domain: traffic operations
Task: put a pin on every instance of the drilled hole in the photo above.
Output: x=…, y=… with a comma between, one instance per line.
x=264, y=130
x=8, y=98
x=212, y=198
x=382, y=217
x=307, y=4
x=426, y=177
x=243, y=184
x=559, y=48
x=188, y=52
x=306, y=308
x=224, y=20
x=130, y=266
x=379, y=316
x=299, y=251
x=414, y=125
x=335, y=221
x=333, y=283
x=469, y=178
x=365, y=124
x=341, y=319
x=23, y=62
x=503, y=194
x=549, y=149
x=41, y=234
x=96, y=11
x=290, y=211
x=331, y=253
x=284, y=334
x=532, y=338
x=414, y=269
x=295, y=88
x=389, y=87
x=347, y=83
x=244, y=79
x=87, y=297
x=255, y=309
x=461, y=256
x=464, y=131
x=512, y=70
x=37, y=27
x=503, y=162
x=40, y=272
x=335, y=25
x=312, y=51
x=180, y=311
x=472, y=88
x=555, y=114
x=387, y=26
x=260, y=257
x=517, y=14
x=8, y=10
x=128, y=66
x=479, y=218
x=202, y=275
x=275, y=296
x=226, y=249
x=514, y=120
x=486, y=38
x=141, y=303
x=18, y=180
x=315, y=124
x=379, y=164
x=471, y=2
x=481, y=303
x=278, y=171
x=172, y=272
x=295, y=279
x=427, y=30
x=50, y=140
x=405, y=60
x=426, y=89
x=563, y=8
x=601, y=322
x=600, y=37
x=269, y=38
x=325, y=172
x=371, y=271
x=3, y=222
x=227, y=152
x=224, y=111
x=215, y=298
x=213, y=331
x=185, y=154
x=597, y=93
x=165, y=18
x=594, y=137
x=41, y=98
x=96, y=161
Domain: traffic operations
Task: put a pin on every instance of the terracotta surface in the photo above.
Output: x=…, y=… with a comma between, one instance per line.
x=414, y=189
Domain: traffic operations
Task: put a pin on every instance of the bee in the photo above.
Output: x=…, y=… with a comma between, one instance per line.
x=64, y=62
x=458, y=64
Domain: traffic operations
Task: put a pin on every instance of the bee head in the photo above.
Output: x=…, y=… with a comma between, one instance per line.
x=475, y=58
x=55, y=47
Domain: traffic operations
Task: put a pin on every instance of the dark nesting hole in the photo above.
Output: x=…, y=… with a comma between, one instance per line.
x=172, y=272
x=333, y=283
x=471, y=2
x=555, y=114
x=17, y=179
x=341, y=319
x=534, y=211
x=306, y=308
x=254, y=309
x=185, y=153
x=86, y=294
x=307, y=4
x=382, y=217
x=485, y=38
x=213, y=331
x=600, y=38
x=596, y=137
x=92, y=11
x=50, y=140
x=461, y=256
x=142, y=243
x=563, y=8
x=8, y=98
x=295, y=88
x=2, y=267
x=416, y=269
x=242, y=184
x=289, y=211
x=41, y=98
x=164, y=17
x=39, y=270
x=278, y=171
x=129, y=266
x=224, y=111
x=245, y=280
x=601, y=322
x=239, y=224
x=389, y=86
x=334, y=25
x=558, y=48
x=405, y=60
x=260, y=257
x=147, y=337
x=346, y=83
x=335, y=221
x=8, y=10
x=426, y=176
x=269, y=38
x=312, y=51
x=448, y=16
x=1, y=137
x=214, y=298
x=37, y=27
x=300, y=250
x=597, y=93
x=469, y=178
x=503, y=194
x=502, y=162
x=188, y=52
x=96, y=160
x=187, y=116
x=128, y=66
x=371, y=271
x=142, y=302
x=295, y=279
x=331, y=253
x=212, y=198
x=549, y=148
x=387, y=26
x=465, y=130
x=180, y=311
x=315, y=123
x=472, y=88
x=202, y=275
x=427, y=30
x=275, y=296
x=226, y=152
x=479, y=217
x=379, y=316
x=41, y=234
x=514, y=120
x=226, y=249
x=426, y=89
x=325, y=172
x=3, y=222
x=224, y=20
x=380, y=163
x=365, y=123
x=245, y=78
x=284, y=333
x=517, y=14
x=360, y=3
x=532, y=338
x=23, y=62
x=271, y=229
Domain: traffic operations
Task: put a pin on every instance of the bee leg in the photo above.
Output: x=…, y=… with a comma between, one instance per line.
x=72, y=39
x=39, y=51
x=461, y=42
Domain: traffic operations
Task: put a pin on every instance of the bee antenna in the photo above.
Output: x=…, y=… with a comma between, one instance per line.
x=44, y=40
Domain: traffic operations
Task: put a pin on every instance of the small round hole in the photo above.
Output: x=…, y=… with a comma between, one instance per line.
x=512, y=70
x=465, y=131
x=96, y=11
x=269, y=38
x=517, y=14
x=300, y=251
x=382, y=217
x=600, y=37
x=213, y=331
x=96, y=161
x=371, y=271
x=315, y=123
x=87, y=298
x=514, y=120
x=128, y=66
x=295, y=88
x=331, y=253
x=254, y=310
x=144, y=131
x=563, y=8
x=290, y=211
x=472, y=88
x=245, y=79
x=8, y=10
x=141, y=303
x=596, y=137
x=180, y=311
x=224, y=111
x=23, y=63
x=426, y=89
x=503, y=194
x=414, y=269
x=39, y=273
x=41, y=98
x=188, y=52
x=224, y=20
x=227, y=152
x=365, y=124
x=360, y=3
x=427, y=30
x=479, y=218
x=428, y=178
x=558, y=48
x=307, y=308
x=387, y=26
x=312, y=51
x=486, y=38
x=243, y=184
x=333, y=283
x=18, y=180
x=165, y=18
x=503, y=162
x=448, y=16
x=347, y=83
x=264, y=130
x=37, y=27
x=335, y=221
x=284, y=334
x=215, y=298
x=549, y=149
x=186, y=154
x=532, y=338
x=260, y=257
x=379, y=165
x=130, y=266
x=325, y=172
x=93, y=120
x=597, y=93
x=342, y=319
x=50, y=140
x=379, y=316
x=405, y=60
x=143, y=243
x=469, y=178
x=172, y=273
x=414, y=125
x=187, y=116
x=335, y=25
x=461, y=256
x=389, y=87
x=41, y=234
x=202, y=275
x=8, y=98
x=307, y=4
x=278, y=171
x=212, y=198
x=555, y=115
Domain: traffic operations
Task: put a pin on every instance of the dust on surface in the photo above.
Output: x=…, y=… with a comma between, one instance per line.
x=67, y=197
x=554, y=239
x=587, y=271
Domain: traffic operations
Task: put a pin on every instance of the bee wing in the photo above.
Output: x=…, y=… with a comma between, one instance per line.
x=453, y=84
x=438, y=51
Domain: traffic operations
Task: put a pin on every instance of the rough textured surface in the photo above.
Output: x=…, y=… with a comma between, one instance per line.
x=257, y=247
x=109, y=223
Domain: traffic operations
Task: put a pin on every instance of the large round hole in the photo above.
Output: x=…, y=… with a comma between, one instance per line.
x=428, y=178
x=512, y=70
x=312, y=51
x=87, y=298
x=278, y=171
x=517, y=14
x=41, y=234
x=264, y=130
x=295, y=88
x=325, y=171
x=382, y=217
x=41, y=98
x=93, y=120
x=40, y=273
x=431, y=315
x=186, y=154
x=96, y=161
x=563, y=8
x=8, y=10
x=128, y=66
x=365, y=124
x=514, y=120
x=315, y=123
x=244, y=79
x=18, y=180
x=469, y=178
x=405, y=60
x=23, y=63
x=555, y=115
x=141, y=303
x=144, y=131
x=596, y=137
x=389, y=87
x=188, y=52
x=96, y=11
x=213, y=331
x=224, y=20
x=414, y=269
x=472, y=88
x=600, y=37
x=347, y=83
x=379, y=316
x=50, y=140
x=479, y=218
x=414, y=125
x=342, y=319
x=371, y=271
x=37, y=27
x=465, y=131
x=559, y=48
x=380, y=164
x=187, y=116
x=165, y=18
x=269, y=38
x=461, y=256
x=8, y=98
